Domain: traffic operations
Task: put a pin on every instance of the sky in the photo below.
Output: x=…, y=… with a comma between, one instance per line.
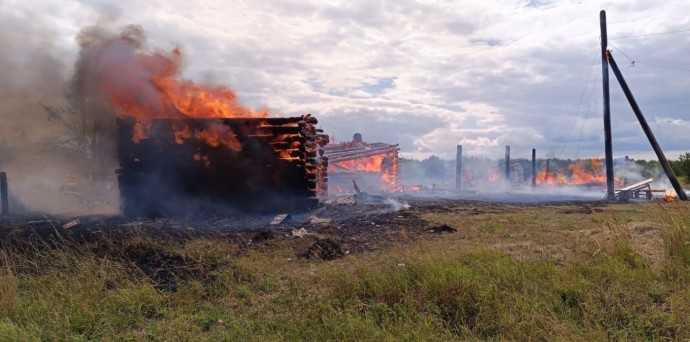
x=427, y=75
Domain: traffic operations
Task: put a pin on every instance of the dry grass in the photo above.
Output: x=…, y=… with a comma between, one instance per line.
x=9, y=289
x=568, y=272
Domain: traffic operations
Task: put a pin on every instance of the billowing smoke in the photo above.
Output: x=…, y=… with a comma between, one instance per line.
x=58, y=138
x=633, y=172
x=144, y=83
x=57, y=141
x=47, y=146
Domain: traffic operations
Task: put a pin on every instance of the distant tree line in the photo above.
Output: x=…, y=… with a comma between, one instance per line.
x=681, y=167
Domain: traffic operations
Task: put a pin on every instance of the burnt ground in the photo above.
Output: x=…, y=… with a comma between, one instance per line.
x=330, y=232
x=359, y=226
x=371, y=222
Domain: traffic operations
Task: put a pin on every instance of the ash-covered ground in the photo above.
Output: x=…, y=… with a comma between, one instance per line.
x=159, y=247
x=355, y=225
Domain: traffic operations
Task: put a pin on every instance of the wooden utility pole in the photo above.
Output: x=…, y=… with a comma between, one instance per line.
x=647, y=130
x=458, y=169
x=3, y=194
x=507, y=163
x=608, y=146
x=534, y=166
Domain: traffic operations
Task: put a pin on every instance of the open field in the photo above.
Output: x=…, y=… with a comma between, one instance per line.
x=440, y=270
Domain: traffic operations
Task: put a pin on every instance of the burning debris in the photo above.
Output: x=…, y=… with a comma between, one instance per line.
x=373, y=166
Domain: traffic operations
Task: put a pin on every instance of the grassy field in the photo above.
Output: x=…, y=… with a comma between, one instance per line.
x=558, y=272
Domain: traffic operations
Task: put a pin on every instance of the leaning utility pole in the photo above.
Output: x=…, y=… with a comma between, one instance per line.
x=647, y=130
x=608, y=146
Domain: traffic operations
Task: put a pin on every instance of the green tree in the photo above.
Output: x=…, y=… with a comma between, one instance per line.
x=682, y=166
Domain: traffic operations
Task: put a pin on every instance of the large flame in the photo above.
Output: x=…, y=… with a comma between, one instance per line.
x=144, y=84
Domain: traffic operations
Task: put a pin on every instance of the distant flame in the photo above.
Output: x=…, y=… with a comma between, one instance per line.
x=413, y=188
x=578, y=175
x=493, y=176
x=371, y=164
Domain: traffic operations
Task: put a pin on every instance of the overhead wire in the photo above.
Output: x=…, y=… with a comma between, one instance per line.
x=662, y=66
x=634, y=62
x=649, y=34
x=622, y=53
x=589, y=103
x=582, y=96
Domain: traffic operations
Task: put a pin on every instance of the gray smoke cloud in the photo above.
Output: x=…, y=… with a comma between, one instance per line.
x=56, y=138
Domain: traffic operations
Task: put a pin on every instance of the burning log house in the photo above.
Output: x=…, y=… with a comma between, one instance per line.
x=373, y=166
x=190, y=166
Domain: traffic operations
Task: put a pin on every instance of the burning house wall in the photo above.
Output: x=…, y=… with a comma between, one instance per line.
x=373, y=166
x=185, y=166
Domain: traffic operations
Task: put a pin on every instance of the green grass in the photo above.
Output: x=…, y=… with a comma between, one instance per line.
x=457, y=286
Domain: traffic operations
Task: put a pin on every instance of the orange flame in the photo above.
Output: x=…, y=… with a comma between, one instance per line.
x=669, y=196
x=371, y=164
x=578, y=175
x=144, y=84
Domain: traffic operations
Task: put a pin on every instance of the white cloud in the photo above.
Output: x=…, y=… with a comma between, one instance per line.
x=428, y=74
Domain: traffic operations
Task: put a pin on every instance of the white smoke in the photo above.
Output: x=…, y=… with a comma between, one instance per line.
x=395, y=204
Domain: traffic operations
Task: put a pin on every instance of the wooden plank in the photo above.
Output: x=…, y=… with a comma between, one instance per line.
x=633, y=191
x=640, y=185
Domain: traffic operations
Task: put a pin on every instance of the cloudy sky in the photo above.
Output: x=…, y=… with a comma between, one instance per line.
x=425, y=74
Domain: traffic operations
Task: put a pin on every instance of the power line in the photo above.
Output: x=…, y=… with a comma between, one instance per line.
x=623, y=53
x=634, y=62
x=579, y=140
x=649, y=34
x=662, y=66
x=584, y=90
